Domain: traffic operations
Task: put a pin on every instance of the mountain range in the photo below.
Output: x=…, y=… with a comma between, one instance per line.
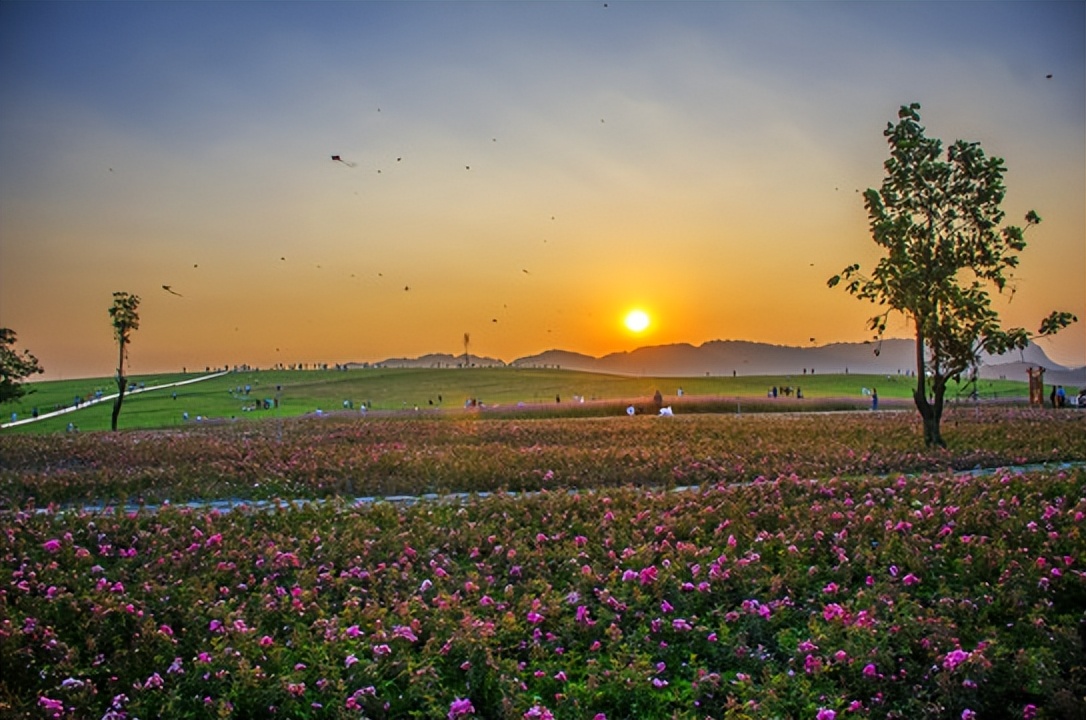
x=740, y=357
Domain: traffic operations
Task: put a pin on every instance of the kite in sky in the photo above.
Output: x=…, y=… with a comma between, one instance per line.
x=170, y=290
x=337, y=158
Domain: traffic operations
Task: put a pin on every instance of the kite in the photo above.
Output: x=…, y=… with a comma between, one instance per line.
x=337, y=158
x=170, y=290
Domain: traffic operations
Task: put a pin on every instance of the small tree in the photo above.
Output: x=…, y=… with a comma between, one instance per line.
x=126, y=319
x=938, y=220
x=14, y=367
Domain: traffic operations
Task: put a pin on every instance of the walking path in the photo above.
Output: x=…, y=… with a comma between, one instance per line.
x=229, y=504
x=105, y=398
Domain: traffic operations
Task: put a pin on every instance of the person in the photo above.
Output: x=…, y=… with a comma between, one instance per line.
x=658, y=400
x=1052, y=396
x=874, y=399
x=1061, y=396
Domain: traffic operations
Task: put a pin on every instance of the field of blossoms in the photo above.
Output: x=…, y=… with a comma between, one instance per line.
x=810, y=566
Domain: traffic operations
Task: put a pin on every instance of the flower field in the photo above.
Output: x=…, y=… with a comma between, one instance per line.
x=348, y=456
x=823, y=567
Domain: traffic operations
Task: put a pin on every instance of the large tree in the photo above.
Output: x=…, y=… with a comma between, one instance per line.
x=14, y=367
x=125, y=318
x=938, y=219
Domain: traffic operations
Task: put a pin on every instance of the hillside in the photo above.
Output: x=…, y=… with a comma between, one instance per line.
x=738, y=357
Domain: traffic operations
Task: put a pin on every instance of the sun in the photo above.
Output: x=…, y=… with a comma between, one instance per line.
x=637, y=321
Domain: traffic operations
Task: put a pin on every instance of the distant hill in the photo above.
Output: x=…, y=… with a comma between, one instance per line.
x=725, y=357
x=433, y=360
x=741, y=357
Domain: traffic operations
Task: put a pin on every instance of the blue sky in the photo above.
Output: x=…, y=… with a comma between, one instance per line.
x=528, y=171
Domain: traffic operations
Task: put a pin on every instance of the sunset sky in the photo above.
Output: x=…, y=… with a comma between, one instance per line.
x=524, y=172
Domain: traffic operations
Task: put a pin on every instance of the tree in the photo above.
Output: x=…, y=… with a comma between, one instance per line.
x=14, y=367
x=126, y=319
x=939, y=222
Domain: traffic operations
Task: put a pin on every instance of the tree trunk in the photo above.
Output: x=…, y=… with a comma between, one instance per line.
x=931, y=413
x=122, y=383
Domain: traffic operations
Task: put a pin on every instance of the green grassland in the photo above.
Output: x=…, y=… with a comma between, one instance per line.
x=499, y=390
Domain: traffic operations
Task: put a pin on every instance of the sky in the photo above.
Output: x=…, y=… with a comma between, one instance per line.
x=524, y=173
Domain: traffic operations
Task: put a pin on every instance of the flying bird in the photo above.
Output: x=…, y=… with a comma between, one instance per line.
x=337, y=158
x=170, y=290
x=1049, y=76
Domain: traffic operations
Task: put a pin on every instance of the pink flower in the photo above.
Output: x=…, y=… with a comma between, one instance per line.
x=51, y=546
x=910, y=579
x=351, y=660
x=402, y=631
x=870, y=671
x=266, y=641
x=968, y=714
x=49, y=704
x=825, y=714
x=460, y=707
x=954, y=658
x=538, y=712
x=1029, y=712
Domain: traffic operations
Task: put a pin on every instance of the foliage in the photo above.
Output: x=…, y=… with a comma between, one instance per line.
x=125, y=318
x=14, y=367
x=938, y=220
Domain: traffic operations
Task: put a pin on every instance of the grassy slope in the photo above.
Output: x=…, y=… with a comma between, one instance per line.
x=396, y=389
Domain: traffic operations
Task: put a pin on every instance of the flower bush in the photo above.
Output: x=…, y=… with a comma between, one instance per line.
x=327, y=457
x=937, y=594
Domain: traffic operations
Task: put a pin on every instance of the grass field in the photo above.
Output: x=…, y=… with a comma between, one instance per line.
x=502, y=389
